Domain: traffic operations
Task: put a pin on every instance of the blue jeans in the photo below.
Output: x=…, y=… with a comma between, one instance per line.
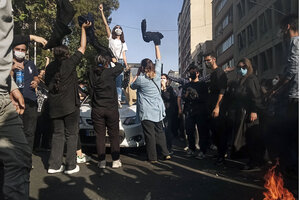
x=119, y=80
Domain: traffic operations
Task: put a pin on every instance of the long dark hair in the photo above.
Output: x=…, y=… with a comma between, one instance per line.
x=114, y=35
x=148, y=68
x=101, y=63
x=60, y=53
x=249, y=68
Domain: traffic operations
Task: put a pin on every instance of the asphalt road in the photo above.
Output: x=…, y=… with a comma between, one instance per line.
x=180, y=178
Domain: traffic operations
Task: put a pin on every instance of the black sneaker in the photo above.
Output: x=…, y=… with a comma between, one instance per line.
x=220, y=161
x=249, y=168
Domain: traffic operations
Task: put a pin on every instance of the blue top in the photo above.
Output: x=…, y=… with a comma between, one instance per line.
x=29, y=72
x=150, y=105
x=292, y=67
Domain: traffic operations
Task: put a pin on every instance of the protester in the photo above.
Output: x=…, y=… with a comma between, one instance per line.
x=151, y=109
x=169, y=98
x=287, y=92
x=118, y=47
x=15, y=153
x=105, y=114
x=195, y=96
x=61, y=79
x=43, y=130
x=26, y=75
x=248, y=97
x=217, y=88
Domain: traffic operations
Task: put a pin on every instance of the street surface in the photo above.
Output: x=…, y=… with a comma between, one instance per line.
x=180, y=178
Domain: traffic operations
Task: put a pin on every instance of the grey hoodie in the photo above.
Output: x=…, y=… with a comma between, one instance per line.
x=6, y=36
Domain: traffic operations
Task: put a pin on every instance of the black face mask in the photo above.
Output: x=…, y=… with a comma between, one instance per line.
x=193, y=75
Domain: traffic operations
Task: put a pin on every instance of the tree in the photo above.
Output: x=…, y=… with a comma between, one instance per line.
x=43, y=12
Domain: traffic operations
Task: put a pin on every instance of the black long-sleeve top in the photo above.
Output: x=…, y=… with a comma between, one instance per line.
x=65, y=100
x=249, y=96
x=103, y=87
x=170, y=99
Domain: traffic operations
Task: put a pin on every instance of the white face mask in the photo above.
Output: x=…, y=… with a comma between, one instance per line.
x=275, y=81
x=118, y=31
x=164, y=81
x=19, y=55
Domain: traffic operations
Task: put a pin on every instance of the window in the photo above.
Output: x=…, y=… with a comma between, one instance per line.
x=229, y=63
x=225, y=45
x=263, y=61
x=279, y=56
x=262, y=24
x=220, y=6
x=270, y=58
x=278, y=6
x=226, y=20
x=250, y=4
x=240, y=11
x=242, y=40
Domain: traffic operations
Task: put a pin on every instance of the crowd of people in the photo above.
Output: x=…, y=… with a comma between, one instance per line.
x=230, y=109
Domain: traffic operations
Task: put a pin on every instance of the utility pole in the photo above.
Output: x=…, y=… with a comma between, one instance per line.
x=35, y=44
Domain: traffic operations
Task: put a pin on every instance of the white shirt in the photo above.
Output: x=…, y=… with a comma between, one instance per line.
x=116, y=46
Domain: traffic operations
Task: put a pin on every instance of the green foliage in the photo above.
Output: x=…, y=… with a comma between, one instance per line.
x=43, y=12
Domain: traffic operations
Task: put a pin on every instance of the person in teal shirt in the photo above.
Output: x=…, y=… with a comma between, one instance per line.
x=150, y=105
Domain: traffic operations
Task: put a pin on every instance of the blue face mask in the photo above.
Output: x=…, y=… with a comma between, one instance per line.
x=242, y=71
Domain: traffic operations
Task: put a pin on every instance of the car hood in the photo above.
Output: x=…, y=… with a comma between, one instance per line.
x=125, y=111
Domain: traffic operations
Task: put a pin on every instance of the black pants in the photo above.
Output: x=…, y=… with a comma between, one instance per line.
x=64, y=129
x=201, y=121
x=154, y=134
x=15, y=154
x=29, y=118
x=168, y=122
x=105, y=118
x=217, y=127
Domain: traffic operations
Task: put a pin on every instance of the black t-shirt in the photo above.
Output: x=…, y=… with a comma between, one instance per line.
x=103, y=87
x=30, y=72
x=218, y=85
x=195, y=96
x=61, y=79
x=170, y=99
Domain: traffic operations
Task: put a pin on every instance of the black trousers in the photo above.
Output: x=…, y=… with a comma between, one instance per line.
x=29, y=118
x=168, y=122
x=64, y=129
x=15, y=154
x=105, y=118
x=219, y=134
x=201, y=121
x=154, y=134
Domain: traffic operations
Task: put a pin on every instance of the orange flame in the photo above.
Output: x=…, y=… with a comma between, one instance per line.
x=274, y=184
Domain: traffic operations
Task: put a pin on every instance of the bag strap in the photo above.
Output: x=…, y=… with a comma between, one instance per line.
x=156, y=86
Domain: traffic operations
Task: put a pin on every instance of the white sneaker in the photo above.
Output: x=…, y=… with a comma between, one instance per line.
x=72, y=171
x=102, y=164
x=116, y=164
x=53, y=171
x=83, y=159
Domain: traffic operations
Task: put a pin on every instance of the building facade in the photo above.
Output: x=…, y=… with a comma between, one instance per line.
x=194, y=28
x=257, y=33
x=223, y=35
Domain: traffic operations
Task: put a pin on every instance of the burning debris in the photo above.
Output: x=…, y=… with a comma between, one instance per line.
x=274, y=184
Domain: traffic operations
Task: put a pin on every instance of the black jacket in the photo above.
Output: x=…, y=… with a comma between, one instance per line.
x=65, y=100
x=103, y=87
x=249, y=96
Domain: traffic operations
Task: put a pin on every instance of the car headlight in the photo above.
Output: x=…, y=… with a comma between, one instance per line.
x=130, y=120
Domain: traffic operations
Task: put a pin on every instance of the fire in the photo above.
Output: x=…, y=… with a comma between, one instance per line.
x=274, y=184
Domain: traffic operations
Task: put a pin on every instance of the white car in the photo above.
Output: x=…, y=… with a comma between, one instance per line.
x=131, y=132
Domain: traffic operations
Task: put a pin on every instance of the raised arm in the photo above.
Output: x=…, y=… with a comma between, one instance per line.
x=104, y=20
x=157, y=52
x=82, y=47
